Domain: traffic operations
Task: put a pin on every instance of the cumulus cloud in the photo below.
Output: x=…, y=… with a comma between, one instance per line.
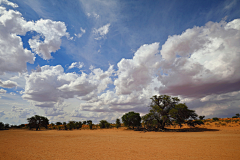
x=8, y=84
x=14, y=5
x=76, y=64
x=202, y=60
x=2, y=91
x=102, y=31
x=13, y=57
x=52, y=85
x=52, y=32
x=137, y=73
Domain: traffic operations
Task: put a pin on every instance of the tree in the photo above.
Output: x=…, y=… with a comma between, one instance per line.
x=104, y=124
x=71, y=125
x=215, y=119
x=6, y=126
x=180, y=113
x=58, y=123
x=118, y=123
x=131, y=119
x=165, y=109
x=238, y=115
x=84, y=122
x=201, y=117
x=37, y=122
x=1, y=125
x=78, y=124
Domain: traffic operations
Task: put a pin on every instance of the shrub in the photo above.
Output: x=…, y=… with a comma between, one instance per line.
x=131, y=119
x=215, y=119
x=201, y=117
x=104, y=124
x=223, y=124
x=118, y=124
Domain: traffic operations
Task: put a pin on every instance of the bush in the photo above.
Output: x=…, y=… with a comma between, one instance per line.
x=104, y=124
x=131, y=119
x=118, y=124
x=201, y=117
x=215, y=119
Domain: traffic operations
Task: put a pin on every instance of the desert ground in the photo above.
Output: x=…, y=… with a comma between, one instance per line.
x=209, y=142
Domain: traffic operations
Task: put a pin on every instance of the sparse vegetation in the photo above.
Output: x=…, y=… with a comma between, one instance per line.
x=118, y=124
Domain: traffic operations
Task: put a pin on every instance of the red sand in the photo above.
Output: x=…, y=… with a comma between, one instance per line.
x=120, y=144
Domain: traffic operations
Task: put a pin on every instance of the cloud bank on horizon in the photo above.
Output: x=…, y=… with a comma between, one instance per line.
x=50, y=65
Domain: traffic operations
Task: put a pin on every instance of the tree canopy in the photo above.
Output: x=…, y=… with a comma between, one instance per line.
x=104, y=124
x=131, y=119
x=165, y=110
x=37, y=122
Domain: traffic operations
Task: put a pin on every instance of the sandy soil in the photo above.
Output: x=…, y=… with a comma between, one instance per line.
x=212, y=143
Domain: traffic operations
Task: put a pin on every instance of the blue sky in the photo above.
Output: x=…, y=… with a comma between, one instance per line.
x=79, y=59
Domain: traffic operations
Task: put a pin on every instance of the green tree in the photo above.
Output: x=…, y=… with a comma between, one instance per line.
x=131, y=119
x=84, y=122
x=215, y=119
x=104, y=124
x=118, y=123
x=165, y=109
x=180, y=113
x=37, y=122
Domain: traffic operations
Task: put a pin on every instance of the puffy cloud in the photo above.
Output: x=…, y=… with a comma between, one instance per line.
x=52, y=85
x=2, y=91
x=8, y=84
x=76, y=64
x=13, y=57
x=102, y=31
x=52, y=32
x=14, y=5
x=137, y=73
x=202, y=60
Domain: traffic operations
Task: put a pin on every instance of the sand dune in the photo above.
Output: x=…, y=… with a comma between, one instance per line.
x=212, y=143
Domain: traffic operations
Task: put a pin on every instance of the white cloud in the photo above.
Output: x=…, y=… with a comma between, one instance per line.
x=8, y=84
x=13, y=94
x=76, y=64
x=52, y=85
x=52, y=32
x=80, y=34
x=137, y=73
x=14, y=5
x=13, y=56
x=102, y=31
x=202, y=60
x=2, y=91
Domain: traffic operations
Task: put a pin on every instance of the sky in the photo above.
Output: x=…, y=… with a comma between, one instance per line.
x=93, y=60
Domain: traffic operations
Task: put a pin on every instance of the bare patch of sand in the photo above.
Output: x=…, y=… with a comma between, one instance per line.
x=215, y=143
